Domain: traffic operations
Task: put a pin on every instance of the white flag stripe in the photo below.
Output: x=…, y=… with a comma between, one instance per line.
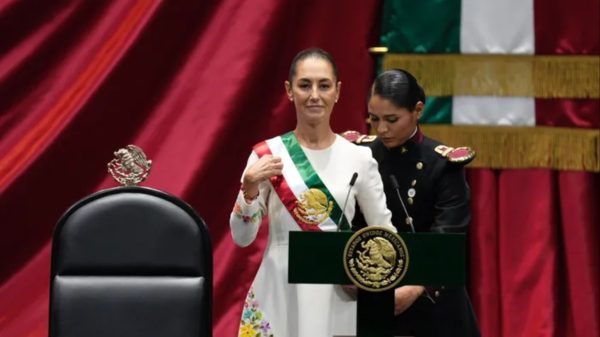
x=493, y=110
x=496, y=27
x=289, y=171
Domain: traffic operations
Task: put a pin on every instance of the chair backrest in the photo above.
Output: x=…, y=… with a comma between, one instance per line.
x=131, y=261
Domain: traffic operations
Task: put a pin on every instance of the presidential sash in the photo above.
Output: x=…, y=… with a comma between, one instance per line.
x=300, y=188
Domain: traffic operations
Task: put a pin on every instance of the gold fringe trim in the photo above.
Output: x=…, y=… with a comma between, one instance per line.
x=539, y=76
x=507, y=147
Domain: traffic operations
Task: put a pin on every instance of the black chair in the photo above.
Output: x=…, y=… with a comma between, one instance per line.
x=131, y=261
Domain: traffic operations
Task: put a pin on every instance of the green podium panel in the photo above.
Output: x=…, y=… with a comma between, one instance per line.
x=433, y=259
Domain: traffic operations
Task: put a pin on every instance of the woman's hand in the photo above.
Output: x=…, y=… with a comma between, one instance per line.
x=266, y=167
x=405, y=296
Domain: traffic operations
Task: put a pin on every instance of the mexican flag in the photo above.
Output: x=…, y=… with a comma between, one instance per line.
x=530, y=67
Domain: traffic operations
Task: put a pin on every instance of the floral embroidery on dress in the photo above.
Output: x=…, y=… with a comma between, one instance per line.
x=237, y=211
x=253, y=323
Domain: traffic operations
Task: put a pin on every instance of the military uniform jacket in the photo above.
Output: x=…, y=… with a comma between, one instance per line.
x=436, y=195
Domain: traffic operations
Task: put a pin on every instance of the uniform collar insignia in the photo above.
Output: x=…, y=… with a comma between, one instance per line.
x=460, y=155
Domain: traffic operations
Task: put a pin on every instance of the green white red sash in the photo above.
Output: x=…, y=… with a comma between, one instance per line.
x=296, y=187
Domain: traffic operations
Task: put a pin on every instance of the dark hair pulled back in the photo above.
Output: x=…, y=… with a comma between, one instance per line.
x=312, y=53
x=400, y=87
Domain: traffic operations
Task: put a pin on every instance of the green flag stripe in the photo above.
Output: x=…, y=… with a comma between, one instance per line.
x=438, y=110
x=424, y=26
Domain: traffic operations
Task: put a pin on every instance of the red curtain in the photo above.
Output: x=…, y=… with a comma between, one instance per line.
x=567, y=28
x=535, y=252
x=194, y=83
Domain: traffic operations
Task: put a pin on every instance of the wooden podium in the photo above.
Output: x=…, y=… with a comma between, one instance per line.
x=434, y=260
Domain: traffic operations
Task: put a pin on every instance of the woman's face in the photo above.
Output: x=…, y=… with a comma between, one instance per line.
x=314, y=90
x=394, y=125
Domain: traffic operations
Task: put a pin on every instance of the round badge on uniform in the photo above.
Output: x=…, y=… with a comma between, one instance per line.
x=375, y=259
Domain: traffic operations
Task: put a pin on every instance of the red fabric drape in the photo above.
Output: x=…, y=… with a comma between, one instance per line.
x=581, y=113
x=535, y=267
x=567, y=28
x=535, y=252
x=194, y=83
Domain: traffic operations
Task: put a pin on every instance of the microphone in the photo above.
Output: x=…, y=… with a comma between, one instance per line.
x=409, y=220
x=352, y=181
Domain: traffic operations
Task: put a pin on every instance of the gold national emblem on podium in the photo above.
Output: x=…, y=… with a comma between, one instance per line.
x=130, y=166
x=375, y=259
x=313, y=207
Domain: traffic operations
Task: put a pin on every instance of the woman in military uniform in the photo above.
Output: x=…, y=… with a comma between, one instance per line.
x=430, y=179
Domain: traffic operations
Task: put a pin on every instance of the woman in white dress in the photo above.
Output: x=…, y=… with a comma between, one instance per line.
x=300, y=181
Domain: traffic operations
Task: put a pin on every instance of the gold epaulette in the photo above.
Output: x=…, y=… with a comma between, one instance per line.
x=460, y=155
x=358, y=138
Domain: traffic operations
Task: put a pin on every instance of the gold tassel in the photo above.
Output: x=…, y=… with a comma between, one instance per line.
x=507, y=147
x=539, y=76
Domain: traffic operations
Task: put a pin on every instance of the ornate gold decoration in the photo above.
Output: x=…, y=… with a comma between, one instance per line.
x=461, y=155
x=313, y=207
x=543, y=76
x=130, y=166
x=358, y=138
x=375, y=259
x=378, y=50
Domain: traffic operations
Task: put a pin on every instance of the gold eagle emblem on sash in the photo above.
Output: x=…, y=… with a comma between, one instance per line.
x=313, y=207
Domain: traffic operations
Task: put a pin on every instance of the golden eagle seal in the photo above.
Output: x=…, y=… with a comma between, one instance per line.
x=130, y=166
x=375, y=259
x=313, y=207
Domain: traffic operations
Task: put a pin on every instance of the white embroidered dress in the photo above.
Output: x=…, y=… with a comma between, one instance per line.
x=273, y=306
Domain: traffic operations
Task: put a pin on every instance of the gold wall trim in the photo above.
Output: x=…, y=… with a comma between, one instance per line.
x=507, y=147
x=539, y=76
